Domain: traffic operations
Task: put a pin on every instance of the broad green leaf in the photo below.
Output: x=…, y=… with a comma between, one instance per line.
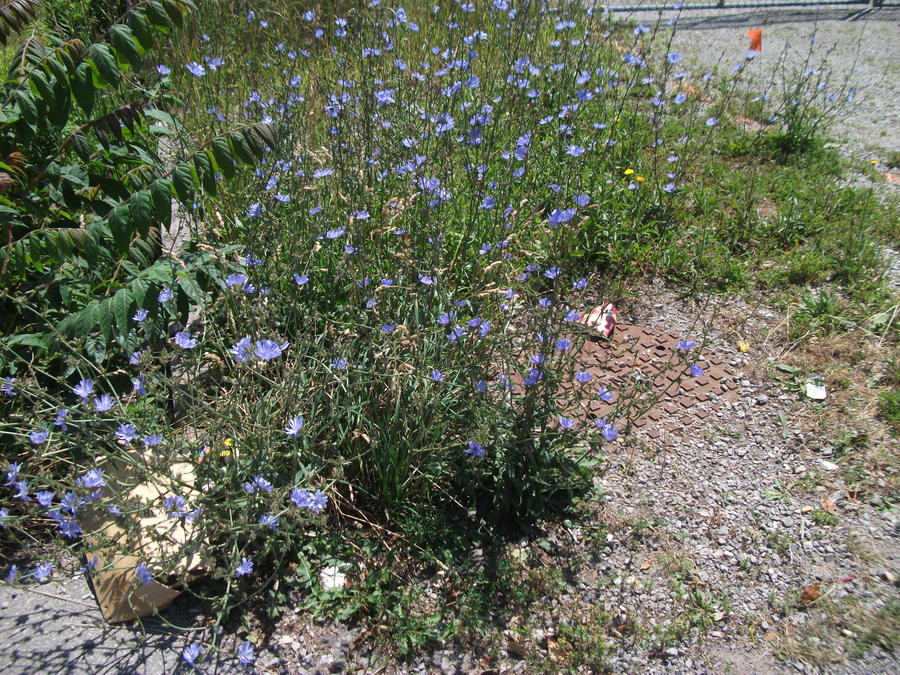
x=163, y=117
x=95, y=346
x=83, y=87
x=174, y=12
x=157, y=16
x=183, y=182
x=42, y=86
x=142, y=212
x=241, y=148
x=139, y=289
x=203, y=162
x=256, y=143
x=161, y=191
x=267, y=132
x=222, y=153
x=81, y=322
x=62, y=107
x=120, y=304
x=39, y=340
x=126, y=47
x=101, y=55
x=57, y=69
x=118, y=224
x=192, y=289
x=27, y=106
x=141, y=29
x=160, y=130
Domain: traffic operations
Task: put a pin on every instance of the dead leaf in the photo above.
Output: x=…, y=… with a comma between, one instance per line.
x=806, y=509
x=810, y=594
x=770, y=636
x=827, y=505
x=515, y=648
x=646, y=565
x=552, y=648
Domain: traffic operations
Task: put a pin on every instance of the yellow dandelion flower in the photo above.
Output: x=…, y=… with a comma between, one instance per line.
x=628, y=172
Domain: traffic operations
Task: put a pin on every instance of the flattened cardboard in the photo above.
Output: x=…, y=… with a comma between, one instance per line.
x=120, y=595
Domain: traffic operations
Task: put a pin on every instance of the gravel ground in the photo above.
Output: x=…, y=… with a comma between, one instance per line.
x=710, y=536
x=866, y=45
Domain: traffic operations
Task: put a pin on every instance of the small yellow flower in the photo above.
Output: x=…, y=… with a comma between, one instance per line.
x=744, y=346
x=640, y=179
x=874, y=162
x=229, y=444
x=628, y=172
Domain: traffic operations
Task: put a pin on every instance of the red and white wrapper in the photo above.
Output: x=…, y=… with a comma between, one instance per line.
x=602, y=319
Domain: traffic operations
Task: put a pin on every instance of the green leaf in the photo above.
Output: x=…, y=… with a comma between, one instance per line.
x=101, y=55
x=267, y=132
x=118, y=224
x=95, y=346
x=163, y=117
x=40, y=341
x=224, y=160
x=192, y=289
x=120, y=304
x=139, y=289
x=141, y=29
x=126, y=47
x=142, y=212
x=183, y=182
x=27, y=106
x=203, y=162
x=57, y=69
x=174, y=12
x=157, y=16
x=241, y=148
x=42, y=86
x=161, y=190
x=81, y=322
x=83, y=87
x=62, y=107
x=256, y=143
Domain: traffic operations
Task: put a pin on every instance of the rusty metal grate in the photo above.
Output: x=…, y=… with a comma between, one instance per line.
x=650, y=356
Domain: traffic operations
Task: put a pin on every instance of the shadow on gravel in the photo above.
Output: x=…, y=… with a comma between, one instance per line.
x=57, y=628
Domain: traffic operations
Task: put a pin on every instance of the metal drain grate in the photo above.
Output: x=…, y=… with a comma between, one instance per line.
x=651, y=356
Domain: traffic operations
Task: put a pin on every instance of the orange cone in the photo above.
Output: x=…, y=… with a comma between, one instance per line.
x=755, y=35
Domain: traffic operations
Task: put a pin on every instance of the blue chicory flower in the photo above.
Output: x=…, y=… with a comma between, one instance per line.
x=475, y=449
x=245, y=568
x=294, y=425
x=42, y=572
x=269, y=520
x=190, y=654
x=38, y=436
x=266, y=350
x=104, y=403
x=245, y=652
x=83, y=389
x=143, y=573
x=184, y=340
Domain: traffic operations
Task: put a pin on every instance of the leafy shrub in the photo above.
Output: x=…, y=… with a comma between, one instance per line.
x=86, y=190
